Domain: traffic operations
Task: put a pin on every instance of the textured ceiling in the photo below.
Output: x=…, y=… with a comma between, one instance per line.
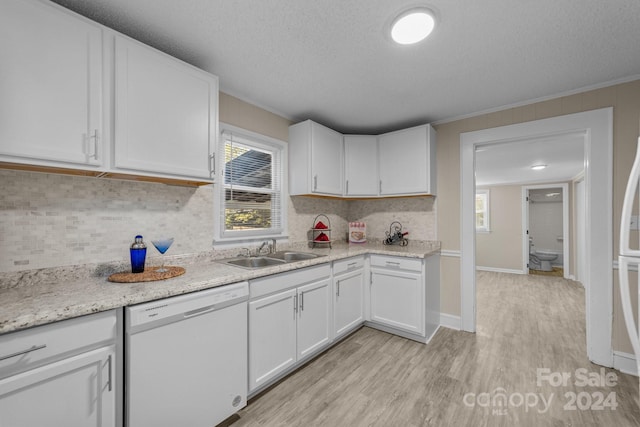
x=332, y=61
x=510, y=163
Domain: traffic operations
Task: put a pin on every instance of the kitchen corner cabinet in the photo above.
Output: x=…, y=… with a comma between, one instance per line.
x=51, y=89
x=315, y=160
x=407, y=162
x=165, y=113
x=62, y=374
x=361, y=165
x=289, y=319
x=348, y=303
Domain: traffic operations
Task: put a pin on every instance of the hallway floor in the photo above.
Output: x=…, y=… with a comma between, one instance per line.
x=531, y=332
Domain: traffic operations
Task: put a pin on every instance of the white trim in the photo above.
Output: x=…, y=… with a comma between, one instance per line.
x=232, y=239
x=625, y=363
x=450, y=253
x=598, y=128
x=541, y=99
x=500, y=270
x=450, y=321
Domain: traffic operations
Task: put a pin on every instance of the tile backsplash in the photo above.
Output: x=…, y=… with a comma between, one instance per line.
x=49, y=220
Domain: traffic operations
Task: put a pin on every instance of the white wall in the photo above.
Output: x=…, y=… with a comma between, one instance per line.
x=545, y=225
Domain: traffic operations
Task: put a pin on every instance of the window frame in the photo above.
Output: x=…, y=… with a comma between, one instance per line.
x=231, y=238
x=486, y=227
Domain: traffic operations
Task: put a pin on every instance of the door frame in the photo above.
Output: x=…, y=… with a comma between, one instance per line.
x=565, y=225
x=597, y=126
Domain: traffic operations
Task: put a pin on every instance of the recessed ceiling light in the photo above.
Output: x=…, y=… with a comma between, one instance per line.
x=413, y=25
x=538, y=167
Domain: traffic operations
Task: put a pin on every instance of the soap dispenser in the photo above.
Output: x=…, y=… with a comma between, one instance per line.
x=138, y=253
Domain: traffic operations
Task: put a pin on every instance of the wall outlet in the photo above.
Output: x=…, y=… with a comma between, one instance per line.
x=634, y=223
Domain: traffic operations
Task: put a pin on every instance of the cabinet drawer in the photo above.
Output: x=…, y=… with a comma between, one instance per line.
x=348, y=264
x=278, y=282
x=400, y=263
x=23, y=350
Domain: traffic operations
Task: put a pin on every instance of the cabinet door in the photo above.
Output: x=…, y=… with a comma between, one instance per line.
x=166, y=113
x=404, y=161
x=348, y=307
x=272, y=336
x=75, y=392
x=314, y=305
x=361, y=165
x=326, y=160
x=397, y=300
x=50, y=85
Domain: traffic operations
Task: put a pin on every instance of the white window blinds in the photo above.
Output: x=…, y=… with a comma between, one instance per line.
x=252, y=186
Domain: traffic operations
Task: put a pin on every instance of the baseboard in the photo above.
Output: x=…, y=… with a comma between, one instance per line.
x=625, y=363
x=500, y=270
x=450, y=321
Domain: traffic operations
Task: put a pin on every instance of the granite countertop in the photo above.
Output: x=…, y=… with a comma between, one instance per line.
x=36, y=297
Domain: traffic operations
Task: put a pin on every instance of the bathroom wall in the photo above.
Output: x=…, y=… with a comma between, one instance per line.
x=545, y=225
x=501, y=248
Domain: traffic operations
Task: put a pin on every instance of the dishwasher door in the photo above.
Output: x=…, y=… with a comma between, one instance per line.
x=186, y=358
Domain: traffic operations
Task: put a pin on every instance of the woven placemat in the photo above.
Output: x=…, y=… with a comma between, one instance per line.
x=148, y=275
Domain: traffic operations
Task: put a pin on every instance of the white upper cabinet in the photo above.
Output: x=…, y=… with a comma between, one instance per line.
x=165, y=113
x=400, y=163
x=361, y=165
x=62, y=106
x=407, y=161
x=50, y=87
x=315, y=160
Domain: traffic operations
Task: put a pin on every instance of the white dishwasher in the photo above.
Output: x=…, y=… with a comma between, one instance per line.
x=186, y=358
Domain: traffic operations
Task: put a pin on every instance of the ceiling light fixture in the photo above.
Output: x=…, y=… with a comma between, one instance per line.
x=538, y=167
x=413, y=25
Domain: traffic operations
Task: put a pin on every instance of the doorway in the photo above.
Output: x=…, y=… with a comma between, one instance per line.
x=545, y=229
x=597, y=129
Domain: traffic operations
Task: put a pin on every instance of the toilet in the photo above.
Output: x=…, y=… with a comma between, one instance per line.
x=539, y=259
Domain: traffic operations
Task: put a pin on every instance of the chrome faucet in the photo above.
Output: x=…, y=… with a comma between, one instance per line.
x=265, y=243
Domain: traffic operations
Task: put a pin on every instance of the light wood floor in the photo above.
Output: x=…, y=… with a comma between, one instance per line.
x=377, y=379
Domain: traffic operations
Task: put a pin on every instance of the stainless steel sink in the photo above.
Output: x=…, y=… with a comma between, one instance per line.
x=269, y=260
x=291, y=256
x=253, y=262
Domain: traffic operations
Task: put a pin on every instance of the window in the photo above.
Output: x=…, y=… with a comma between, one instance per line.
x=482, y=210
x=249, y=187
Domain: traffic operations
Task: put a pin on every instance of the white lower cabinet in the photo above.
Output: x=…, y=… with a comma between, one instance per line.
x=289, y=319
x=404, y=295
x=314, y=308
x=62, y=374
x=272, y=336
x=396, y=299
x=348, y=304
